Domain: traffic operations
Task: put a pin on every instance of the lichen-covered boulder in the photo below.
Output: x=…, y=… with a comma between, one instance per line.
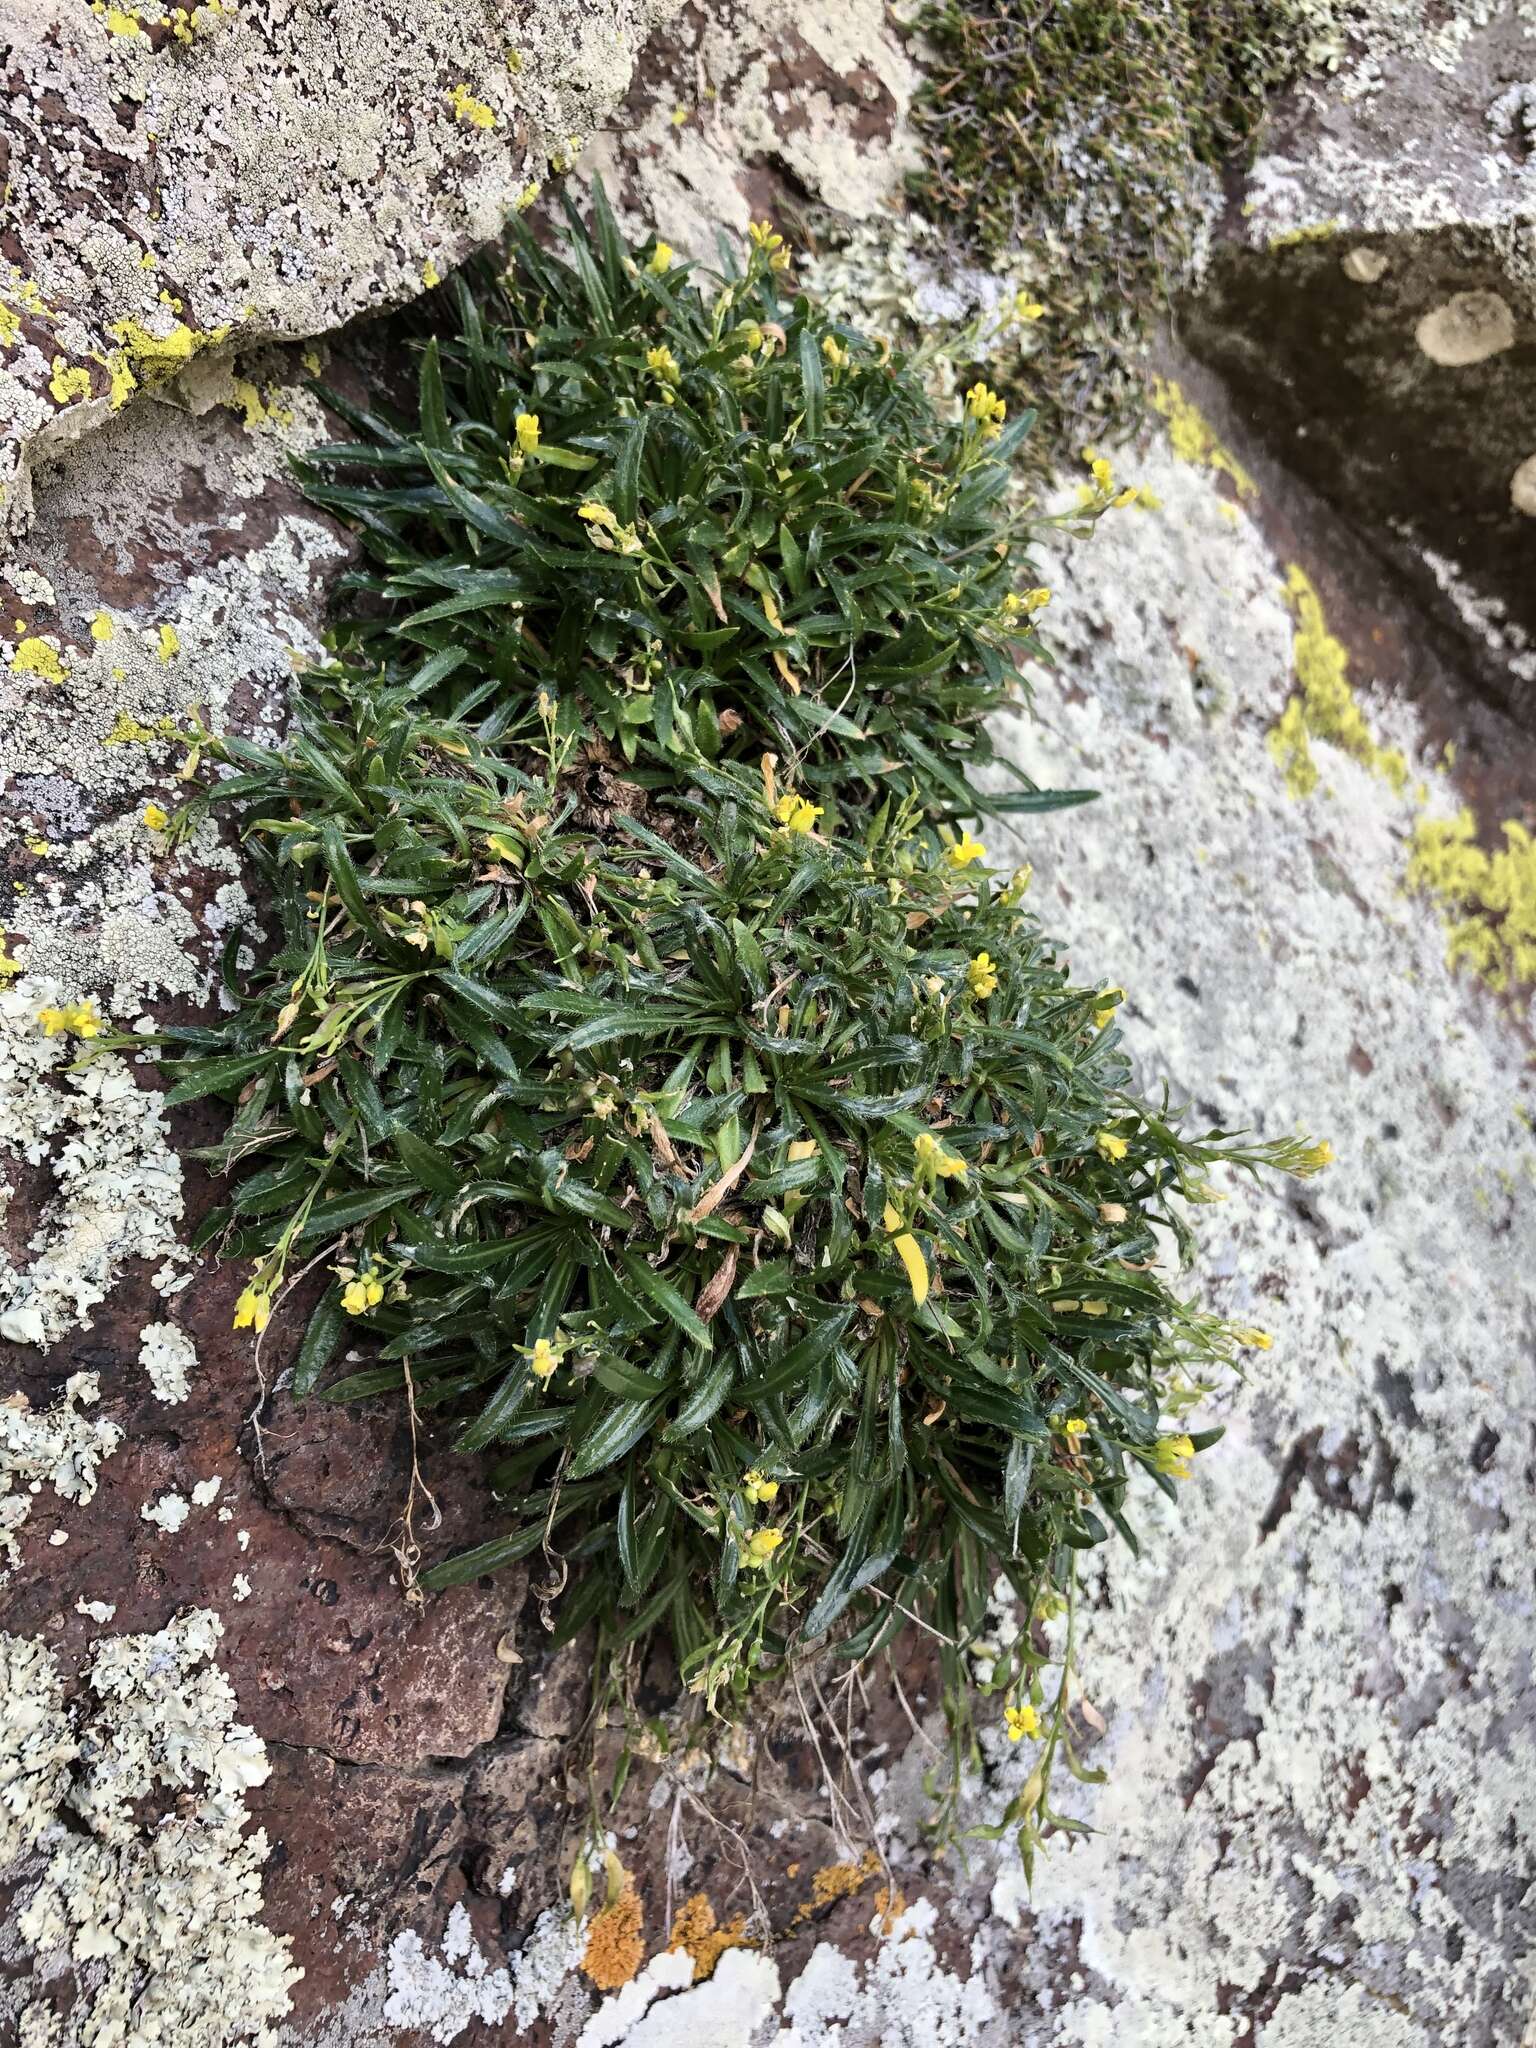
x=199, y=177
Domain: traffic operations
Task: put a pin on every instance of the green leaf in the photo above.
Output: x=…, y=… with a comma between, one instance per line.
x=663, y=1295
x=327, y=1325
x=427, y=1164
x=483, y=1559
x=619, y=1430
x=217, y=1077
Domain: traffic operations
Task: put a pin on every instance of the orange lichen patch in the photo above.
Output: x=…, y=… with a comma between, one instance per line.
x=615, y=1949
x=836, y=1881
x=696, y=1930
x=889, y=1907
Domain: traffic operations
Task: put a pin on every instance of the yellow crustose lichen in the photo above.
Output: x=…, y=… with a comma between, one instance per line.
x=468, y=109
x=1325, y=706
x=69, y=384
x=151, y=359
x=1487, y=899
x=1192, y=439
x=35, y=657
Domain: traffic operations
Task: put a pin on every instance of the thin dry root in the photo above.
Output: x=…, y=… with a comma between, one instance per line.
x=403, y=1546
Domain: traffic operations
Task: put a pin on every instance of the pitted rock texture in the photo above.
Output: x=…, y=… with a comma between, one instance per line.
x=240, y=170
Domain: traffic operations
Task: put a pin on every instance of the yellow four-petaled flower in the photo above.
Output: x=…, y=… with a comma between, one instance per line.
x=987, y=409
x=982, y=975
x=797, y=813
x=759, y=1548
x=77, y=1019
x=1021, y=1721
x=543, y=1359
x=933, y=1159
x=964, y=850
x=1171, y=1455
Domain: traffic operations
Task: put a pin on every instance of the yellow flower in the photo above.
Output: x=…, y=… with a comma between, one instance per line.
x=527, y=425
x=797, y=813
x=79, y=1018
x=661, y=259
x=766, y=242
x=1171, y=1455
x=987, y=409
x=933, y=1159
x=834, y=351
x=1026, y=308
x=155, y=818
x=1111, y=999
x=663, y=363
x=363, y=1293
x=1110, y=1145
x=908, y=1251
x=253, y=1310
x=982, y=975
x=543, y=1359
x=760, y=1546
x=964, y=851
x=1314, y=1159
x=1102, y=474
x=1021, y=1721
x=1075, y=1426
x=757, y=1488
x=1029, y=603
x=1254, y=1339
x=598, y=515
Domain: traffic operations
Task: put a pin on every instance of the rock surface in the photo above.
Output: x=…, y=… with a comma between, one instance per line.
x=743, y=110
x=1320, y=1717
x=217, y=174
